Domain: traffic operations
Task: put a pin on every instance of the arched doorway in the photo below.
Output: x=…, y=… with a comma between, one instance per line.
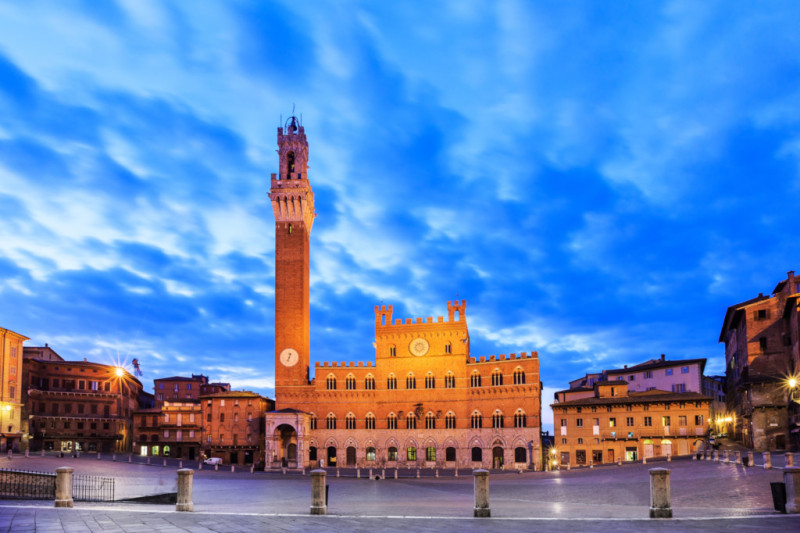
x=666, y=447
x=331, y=455
x=497, y=457
x=648, y=449
x=286, y=445
x=351, y=456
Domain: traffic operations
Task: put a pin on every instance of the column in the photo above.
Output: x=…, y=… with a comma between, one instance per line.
x=64, y=486
x=791, y=477
x=319, y=505
x=659, y=493
x=185, y=484
x=481, y=481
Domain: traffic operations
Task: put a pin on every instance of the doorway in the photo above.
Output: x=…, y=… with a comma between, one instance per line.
x=351, y=456
x=331, y=456
x=497, y=457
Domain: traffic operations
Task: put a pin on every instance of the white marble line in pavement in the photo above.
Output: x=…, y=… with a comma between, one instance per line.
x=393, y=517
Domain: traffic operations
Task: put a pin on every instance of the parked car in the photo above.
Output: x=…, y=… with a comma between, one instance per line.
x=213, y=461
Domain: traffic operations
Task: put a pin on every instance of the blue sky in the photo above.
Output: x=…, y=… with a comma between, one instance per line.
x=599, y=180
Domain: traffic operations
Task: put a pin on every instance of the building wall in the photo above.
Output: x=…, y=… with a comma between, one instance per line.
x=11, y=385
x=79, y=405
x=176, y=430
x=234, y=426
x=687, y=374
x=758, y=355
x=429, y=403
x=178, y=388
x=584, y=430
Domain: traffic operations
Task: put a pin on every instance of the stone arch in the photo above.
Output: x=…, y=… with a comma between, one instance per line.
x=498, y=440
x=475, y=442
x=351, y=442
x=428, y=442
x=410, y=441
x=391, y=441
x=518, y=441
x=450, y=442
x=330, y=441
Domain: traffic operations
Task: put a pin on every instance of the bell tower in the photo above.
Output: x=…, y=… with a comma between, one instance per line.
x=293, y=206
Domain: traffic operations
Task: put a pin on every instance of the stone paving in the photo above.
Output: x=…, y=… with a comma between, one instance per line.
x=706, y=495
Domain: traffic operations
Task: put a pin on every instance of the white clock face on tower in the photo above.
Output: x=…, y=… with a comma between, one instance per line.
x=418, y=347
x=289, y=357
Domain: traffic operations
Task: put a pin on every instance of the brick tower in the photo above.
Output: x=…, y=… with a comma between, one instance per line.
x=293, y=206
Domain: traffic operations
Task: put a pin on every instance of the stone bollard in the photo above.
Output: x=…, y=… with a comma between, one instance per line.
x=253, y=470
x=27, y=454
x=10, y=454
x=738, y=457
x=767, y=460
x=395, y=473
x=130, y=458
x=724, y=456
x=694, y=457
x=180, y=464
x=383, y=473
x=319, y=504
x=358, y=473
x=436, y=473
x=64, y=487
x=98, y=456
x=456, y=472
x=591, y=464
x=751, y=461
x=114, y=457
x=644, y=460
x=199, y=465
x=417, y=473
x=164, y=463
x=233, y=469
x=481, y=481
x=791, y=478
x=716, y=456
x=669, y=457
x=42, y=452
x=303, y=472
x=619, y=461
x=659, y=493
x=216, y=467
x=148, y=460
x=337, y=472
x=789, y=459
x=283, y=470
x=185, y=478
x=569, y=466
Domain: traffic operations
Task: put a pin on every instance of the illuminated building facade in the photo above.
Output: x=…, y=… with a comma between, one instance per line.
x=78, y=405
x=761, y=355
x=425, y=401
x=11, y=402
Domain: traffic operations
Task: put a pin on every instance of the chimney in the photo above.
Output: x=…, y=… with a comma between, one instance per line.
x=662, y=356
x=46, y=345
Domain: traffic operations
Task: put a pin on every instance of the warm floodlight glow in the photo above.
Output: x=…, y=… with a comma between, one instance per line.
x=792, y=383
x=120, y=372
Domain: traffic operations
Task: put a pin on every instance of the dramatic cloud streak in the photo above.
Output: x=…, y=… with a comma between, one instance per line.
x=599, y=182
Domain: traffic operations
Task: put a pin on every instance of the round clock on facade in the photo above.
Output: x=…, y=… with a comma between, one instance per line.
x=419, y=347
x=289, y=357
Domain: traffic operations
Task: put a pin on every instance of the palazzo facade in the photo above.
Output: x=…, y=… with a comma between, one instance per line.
x=425, y=401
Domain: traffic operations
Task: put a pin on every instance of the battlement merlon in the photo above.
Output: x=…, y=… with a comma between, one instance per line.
x=457, y=311
x=385, y=323
x=383, y=315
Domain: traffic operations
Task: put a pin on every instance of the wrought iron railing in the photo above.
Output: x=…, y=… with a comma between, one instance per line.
x=92, y=488
x=24, y=485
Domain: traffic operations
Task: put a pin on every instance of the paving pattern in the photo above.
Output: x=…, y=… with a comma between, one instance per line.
x=706, y=496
